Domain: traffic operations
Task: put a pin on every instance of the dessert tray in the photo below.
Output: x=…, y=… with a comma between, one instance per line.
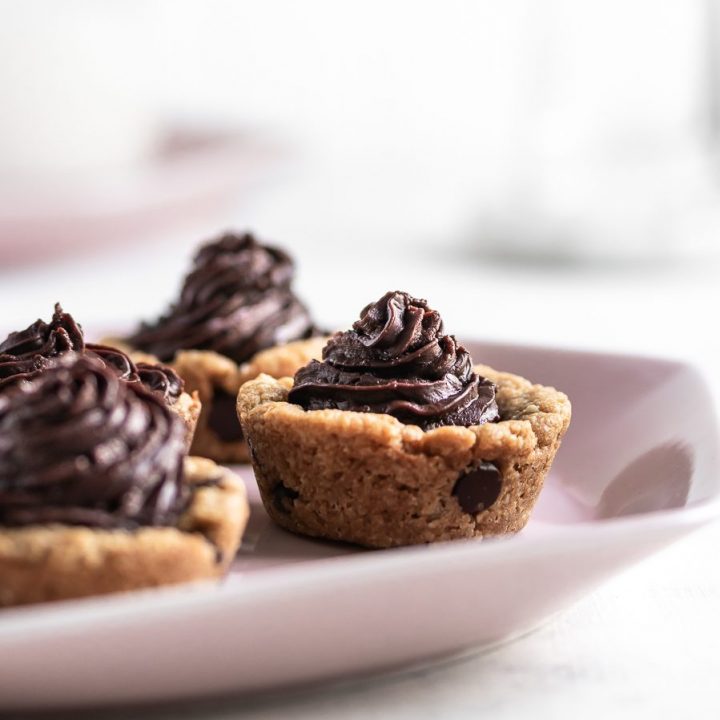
x=637, y=471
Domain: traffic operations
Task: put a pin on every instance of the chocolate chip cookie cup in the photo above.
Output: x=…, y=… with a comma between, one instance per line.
x=236, y=317
x=395, y=439
x=96, y=494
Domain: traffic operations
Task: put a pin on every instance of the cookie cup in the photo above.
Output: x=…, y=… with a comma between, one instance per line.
x=369, y=479
x=217, y=379
x=40, y=563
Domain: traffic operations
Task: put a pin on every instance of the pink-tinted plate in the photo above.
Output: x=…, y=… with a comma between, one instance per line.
x=638, y=470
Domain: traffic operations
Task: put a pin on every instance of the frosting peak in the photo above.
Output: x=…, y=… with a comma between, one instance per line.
x=397, y=360
x=79, y=446
x=27, y=352
x=236, y=301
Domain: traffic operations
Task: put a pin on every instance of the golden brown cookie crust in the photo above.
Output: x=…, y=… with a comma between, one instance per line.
x=57, y=562
x=203, y=371
x=188, y=408
x=369, y=479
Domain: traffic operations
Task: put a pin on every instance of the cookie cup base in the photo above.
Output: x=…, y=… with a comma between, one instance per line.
x=371, y=480
x=39, y=563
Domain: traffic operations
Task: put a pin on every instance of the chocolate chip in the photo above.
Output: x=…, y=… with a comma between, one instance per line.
x=479, y=488
x=223, y=419
x=283, y=497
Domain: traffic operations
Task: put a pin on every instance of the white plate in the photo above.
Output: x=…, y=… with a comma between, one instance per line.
x=638, y=470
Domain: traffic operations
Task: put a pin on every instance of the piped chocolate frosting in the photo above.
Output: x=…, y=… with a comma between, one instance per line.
x=397, y=360
x=27, y=352
x=79, y=446
x=236, y=300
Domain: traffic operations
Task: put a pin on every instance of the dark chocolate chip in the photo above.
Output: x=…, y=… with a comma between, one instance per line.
x=477, y=489
x=283, y=497
x=223, y=419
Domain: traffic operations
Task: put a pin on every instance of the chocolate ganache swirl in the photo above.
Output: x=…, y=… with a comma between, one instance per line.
x=162, y=380
x=79, y=446
x=396, y=360
x=236, y=301
x=27, y=352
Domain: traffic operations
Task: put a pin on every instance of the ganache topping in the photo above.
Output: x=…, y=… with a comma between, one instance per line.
x=79, y=446
x=397, y=360
x=236, y=300
x=27, y=352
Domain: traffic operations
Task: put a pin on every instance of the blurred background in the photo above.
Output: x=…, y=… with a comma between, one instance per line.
x=540, y=172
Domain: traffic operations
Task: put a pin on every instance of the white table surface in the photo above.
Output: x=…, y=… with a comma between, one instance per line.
x=644, y=645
